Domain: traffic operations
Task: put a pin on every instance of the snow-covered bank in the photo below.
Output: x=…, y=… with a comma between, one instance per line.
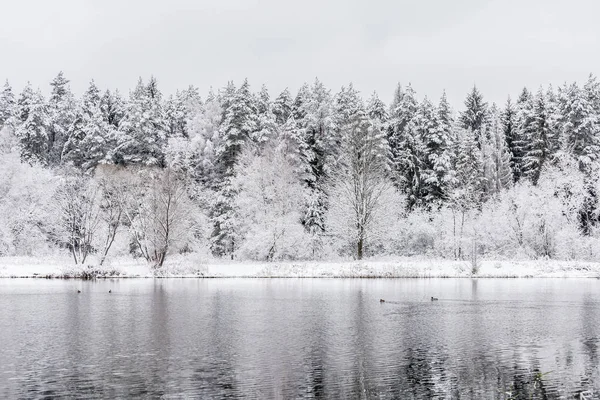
x=19, y=267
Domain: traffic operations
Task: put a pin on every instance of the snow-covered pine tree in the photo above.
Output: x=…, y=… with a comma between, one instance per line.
x=90, y=135
x=7, y=106
x=376, y=110
x=437, y=161
x=239, y=126
x=299, y=105
x=538, y=148
x=266, y=126
x=509, y=127
x=475, y=115
x=225, y=97
x=113, y=108
x=26, y=98
x=196, y=155
x=282, y=107
x=496, y=156
x=580, y=125
x=61, y=112
x=179, y=109
x=317, y=152
x=397, y=99
x=468, y=190
x=238, y=129
x=406, y=148
x=33, y=132
x=523, y=120
x=142, y=134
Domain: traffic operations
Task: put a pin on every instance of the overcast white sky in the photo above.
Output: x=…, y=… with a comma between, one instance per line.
x=500, y=45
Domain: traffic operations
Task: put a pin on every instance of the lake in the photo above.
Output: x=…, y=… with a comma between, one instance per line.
x=300, y=338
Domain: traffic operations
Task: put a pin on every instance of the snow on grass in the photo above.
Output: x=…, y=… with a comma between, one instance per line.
x=57, y=267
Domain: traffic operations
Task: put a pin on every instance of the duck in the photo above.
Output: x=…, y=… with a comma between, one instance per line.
x=110, y=291
x=381, y=300
x=434, y=298
x=78, y=291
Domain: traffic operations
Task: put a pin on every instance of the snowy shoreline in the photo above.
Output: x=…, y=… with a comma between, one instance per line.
x=21, y=267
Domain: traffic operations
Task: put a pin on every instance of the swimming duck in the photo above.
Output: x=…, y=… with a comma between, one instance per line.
x=381, y=300
x=434, y=298
x=110, y=291
x=78, y=291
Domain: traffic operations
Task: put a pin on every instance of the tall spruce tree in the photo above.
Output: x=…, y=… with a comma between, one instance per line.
x=142, y=133
x=580, y=125
x=523, y=119
x=539, y=138
x=496, y=155
x=406, y=148
x=475, y=115
x=282, y=107
x=90, y=135
x=61, y=112
x=7, y=106
x=437, y=161
x=34, y=131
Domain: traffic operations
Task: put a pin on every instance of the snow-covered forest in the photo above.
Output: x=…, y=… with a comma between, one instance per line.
x=243, y=174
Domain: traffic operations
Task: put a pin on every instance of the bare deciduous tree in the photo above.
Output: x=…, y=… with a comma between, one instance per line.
x=156, y=210
x=360, y=183
x=78, y=205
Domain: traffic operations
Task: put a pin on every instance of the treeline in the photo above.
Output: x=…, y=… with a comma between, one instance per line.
x=317, y=175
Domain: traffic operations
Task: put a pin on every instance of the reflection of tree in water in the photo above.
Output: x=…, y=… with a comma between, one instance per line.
x=589, y=320
x=218, y=376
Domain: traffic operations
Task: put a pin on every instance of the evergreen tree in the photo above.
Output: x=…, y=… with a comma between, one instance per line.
x=406, y=148
x=496, y=155
x=7, y=106
x=142, y=132
x=33, y=132
x=510, y=134
x=376, y=110
x=226, y=96
x=90, y=135
x=475, y=115
x=113, y=108
x=61, y=110
x=468, y=188
x=24, y=104
x=539, y=139
x=282, y=107
x=179, y=109
x=437, y=141
x=299, y=106
x=580, y=125
x=347, y=103
x=239, y=126
x=317, y=151
x=522, y=125
x=266, y=125
x=397, y=99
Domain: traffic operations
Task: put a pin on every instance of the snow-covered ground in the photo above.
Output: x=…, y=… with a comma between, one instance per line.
x=398, y=268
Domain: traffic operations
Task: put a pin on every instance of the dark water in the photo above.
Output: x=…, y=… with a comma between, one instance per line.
x=300, y=338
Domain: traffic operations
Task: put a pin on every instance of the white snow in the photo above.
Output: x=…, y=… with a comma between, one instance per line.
x=398, y=268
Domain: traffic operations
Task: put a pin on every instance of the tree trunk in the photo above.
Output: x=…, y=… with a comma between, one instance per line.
x=359, y=249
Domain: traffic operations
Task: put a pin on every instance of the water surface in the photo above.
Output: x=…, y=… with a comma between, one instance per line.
x=300, y=338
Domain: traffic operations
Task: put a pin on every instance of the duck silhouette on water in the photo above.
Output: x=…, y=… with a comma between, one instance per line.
x=381, y=300
x=434, y=298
